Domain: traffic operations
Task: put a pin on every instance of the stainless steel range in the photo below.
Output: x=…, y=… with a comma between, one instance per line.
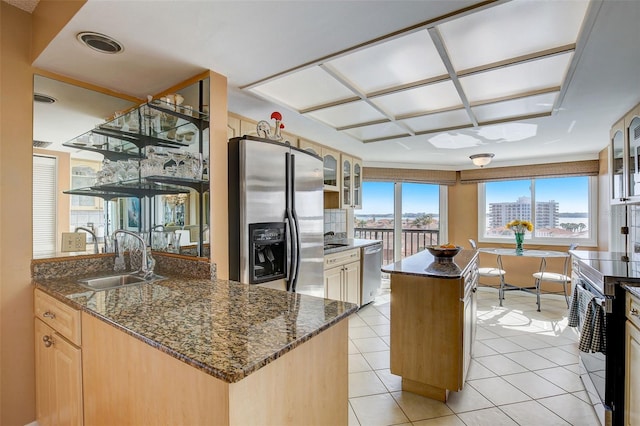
x=604, y=275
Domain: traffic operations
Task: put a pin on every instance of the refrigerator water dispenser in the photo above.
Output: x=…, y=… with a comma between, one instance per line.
x=267, y=252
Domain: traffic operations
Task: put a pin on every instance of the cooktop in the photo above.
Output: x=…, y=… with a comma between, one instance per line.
x=602, y=267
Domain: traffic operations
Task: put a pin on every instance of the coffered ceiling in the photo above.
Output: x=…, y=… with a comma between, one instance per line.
x=400, y=83
x=504, y=63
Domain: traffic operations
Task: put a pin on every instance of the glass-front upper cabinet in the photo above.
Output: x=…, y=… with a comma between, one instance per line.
x=357, y=183
x=346, y=182
x=633, y=136
x=331, y=169
x=624, y=159
x=351, y=193
x=617, y=156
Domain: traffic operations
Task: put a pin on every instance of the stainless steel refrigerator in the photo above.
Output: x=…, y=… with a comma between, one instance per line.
x=276, y=219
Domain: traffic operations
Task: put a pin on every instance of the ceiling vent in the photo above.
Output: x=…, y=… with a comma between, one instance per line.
x=44, y=99
x=100, y=42
x=41, y=144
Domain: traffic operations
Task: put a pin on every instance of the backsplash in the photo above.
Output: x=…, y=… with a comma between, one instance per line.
x=335, y=220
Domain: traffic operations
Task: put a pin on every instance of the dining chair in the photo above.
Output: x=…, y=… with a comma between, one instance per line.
x=554, y=277
x=489, y=272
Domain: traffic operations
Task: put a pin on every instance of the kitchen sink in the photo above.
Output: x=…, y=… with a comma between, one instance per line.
x=334, y=245
x=116, y=281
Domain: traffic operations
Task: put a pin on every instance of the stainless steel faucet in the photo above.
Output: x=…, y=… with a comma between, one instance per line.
x=147, y=262
x=95, y=237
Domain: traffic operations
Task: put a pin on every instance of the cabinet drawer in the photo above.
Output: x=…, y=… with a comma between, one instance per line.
x=341, y=258
x=633, y=309
x=62, y=318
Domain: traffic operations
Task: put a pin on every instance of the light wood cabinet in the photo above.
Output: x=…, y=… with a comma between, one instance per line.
x=310, y=146
x=133, y=383
x=351, y=188
x=432, y=331
x=331, y=159
x=624, y=163
x=58, y=363
x=342, y=276
x=632, y=363
x=248, y=127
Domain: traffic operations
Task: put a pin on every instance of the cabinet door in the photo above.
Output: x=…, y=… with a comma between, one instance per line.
x=632, y=125
x=45, y=408
x=632, y=376
x=616, y=163
x=310, y=146
x=357, y=183
x=333, y=283
x=331, y=169
x=351, y=283
x=58, y=378
x=345, y=193
x=233, y=127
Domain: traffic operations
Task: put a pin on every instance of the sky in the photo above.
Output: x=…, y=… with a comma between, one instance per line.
x=416, y=198
x=571, y=193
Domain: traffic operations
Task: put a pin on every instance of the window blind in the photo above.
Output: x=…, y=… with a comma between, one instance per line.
x=44, y=204
x=383, y=174
x=574, y=168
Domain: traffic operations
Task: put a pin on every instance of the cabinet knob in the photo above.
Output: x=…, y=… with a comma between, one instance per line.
x=48, y=341
x=49, y=314
x=634, y=312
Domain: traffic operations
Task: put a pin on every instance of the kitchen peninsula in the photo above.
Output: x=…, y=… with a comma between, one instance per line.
x=433, y=318
x=196, y=351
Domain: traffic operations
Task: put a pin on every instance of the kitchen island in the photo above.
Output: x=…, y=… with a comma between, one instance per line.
x=196, y=351
x=433, y=310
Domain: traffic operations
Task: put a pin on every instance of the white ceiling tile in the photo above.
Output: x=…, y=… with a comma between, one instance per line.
x=403, y=60
x=347, y=114
x=516, y=79
x=511, y=29
x=376, y=131
x=304, y=89
x=439, y=120
x=508, y=132
x=515, y=108
x=454, y=140
x=422, y=99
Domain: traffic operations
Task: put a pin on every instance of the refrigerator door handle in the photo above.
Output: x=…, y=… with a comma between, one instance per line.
x=296, y=223
x=292, y=235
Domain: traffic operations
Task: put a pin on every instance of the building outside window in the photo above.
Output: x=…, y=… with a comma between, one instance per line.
x=563, y=210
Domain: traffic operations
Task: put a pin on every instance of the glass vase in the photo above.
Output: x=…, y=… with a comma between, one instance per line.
x=519, y=242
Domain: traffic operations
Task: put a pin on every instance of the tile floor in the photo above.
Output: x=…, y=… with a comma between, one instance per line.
x=523, y=371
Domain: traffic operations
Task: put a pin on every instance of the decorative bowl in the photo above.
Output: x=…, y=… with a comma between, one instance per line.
x=445, y=252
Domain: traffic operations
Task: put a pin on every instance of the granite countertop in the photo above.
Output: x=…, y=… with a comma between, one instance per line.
x=349, y=244
x=226, y=329
x=425, y=264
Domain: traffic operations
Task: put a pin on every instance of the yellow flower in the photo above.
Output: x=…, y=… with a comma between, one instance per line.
x=520, y=225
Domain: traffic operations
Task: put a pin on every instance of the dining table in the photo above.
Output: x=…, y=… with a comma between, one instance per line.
x=542, y=254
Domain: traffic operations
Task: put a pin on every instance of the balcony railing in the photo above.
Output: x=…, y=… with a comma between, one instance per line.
x=412, y=240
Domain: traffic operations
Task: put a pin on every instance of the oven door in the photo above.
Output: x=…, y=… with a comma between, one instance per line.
x=593, y=365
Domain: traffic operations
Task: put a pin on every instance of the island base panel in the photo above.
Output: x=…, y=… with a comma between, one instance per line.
x=425, y=390
x=128, y=382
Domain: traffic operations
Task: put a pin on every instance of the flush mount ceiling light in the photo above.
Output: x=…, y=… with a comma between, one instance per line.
x=43, y=99
x=481, y=160
x=100, y=42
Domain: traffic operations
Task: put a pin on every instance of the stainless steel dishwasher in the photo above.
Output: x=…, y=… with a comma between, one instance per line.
x=371, y=271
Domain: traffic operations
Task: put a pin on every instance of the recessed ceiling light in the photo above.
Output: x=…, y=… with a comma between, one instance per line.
x=99, y=42
x=44, y=99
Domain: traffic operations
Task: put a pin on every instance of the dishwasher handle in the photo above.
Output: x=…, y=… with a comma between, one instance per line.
x=373, y=249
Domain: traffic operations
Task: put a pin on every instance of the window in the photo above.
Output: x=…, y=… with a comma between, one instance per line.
x=563, y=210
x=420, y=208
